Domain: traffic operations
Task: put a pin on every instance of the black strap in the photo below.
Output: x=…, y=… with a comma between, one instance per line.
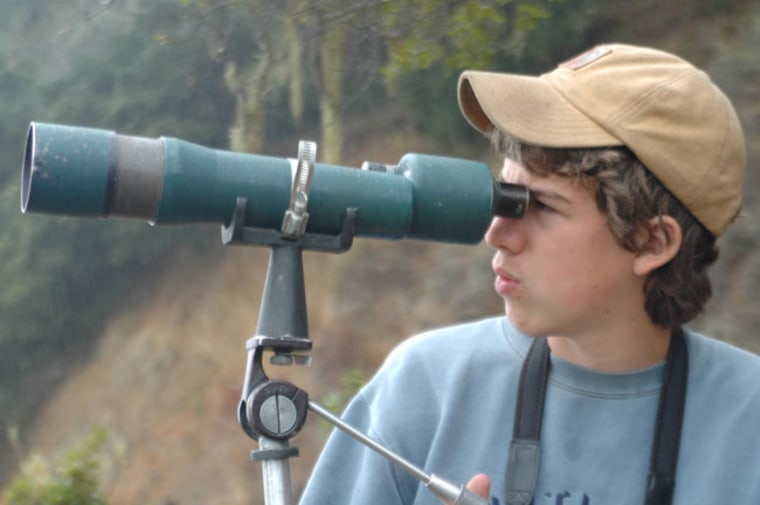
x=661, y=481
x=525, y=447
x=525, y=450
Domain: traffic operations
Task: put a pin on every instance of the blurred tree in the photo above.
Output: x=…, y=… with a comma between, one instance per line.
x=248, y=38
x=143, y=81
x=424, y=82
x=61, y=277
x=345, y=45
x=458, y=34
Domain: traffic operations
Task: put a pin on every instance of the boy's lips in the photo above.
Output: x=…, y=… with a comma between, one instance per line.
x=505, y=283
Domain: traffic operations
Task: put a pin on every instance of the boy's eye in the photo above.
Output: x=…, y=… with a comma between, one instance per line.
x=539, y=205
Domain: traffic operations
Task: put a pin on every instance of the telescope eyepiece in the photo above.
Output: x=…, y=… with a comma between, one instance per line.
x=510, y=200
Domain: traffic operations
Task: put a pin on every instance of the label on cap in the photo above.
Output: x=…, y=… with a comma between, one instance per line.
x=586, y=58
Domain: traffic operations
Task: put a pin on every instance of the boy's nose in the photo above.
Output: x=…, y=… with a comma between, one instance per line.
x=506, y=234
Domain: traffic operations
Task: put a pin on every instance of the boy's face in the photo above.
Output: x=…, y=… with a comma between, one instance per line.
x=559, y=269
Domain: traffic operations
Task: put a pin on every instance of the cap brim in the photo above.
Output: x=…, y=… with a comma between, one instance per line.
x=527, y=108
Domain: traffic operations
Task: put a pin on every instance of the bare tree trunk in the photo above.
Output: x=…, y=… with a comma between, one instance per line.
x=332, y=58
x=247, y=132
x=294, y=46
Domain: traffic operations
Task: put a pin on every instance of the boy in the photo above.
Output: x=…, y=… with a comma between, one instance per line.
x=635, y=163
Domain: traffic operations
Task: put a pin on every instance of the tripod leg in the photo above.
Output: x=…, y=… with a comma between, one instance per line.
x=274, y=455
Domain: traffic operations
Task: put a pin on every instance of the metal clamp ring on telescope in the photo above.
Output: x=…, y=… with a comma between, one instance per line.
x=296, y=217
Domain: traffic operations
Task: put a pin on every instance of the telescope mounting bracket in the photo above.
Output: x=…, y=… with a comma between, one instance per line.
x=236, y=233
x=270, y=408
x=273, y=411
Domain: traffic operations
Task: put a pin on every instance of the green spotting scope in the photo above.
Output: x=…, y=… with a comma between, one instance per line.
x=86, y=172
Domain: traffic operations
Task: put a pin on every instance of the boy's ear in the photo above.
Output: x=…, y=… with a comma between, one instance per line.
x=661, y=241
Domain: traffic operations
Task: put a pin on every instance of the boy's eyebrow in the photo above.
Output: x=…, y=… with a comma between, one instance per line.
x=537, y=192
x=549, y=195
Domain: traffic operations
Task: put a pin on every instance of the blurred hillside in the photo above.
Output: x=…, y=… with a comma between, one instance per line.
x=163, y=370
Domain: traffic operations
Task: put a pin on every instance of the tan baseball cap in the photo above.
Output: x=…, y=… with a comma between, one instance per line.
x=669, y=113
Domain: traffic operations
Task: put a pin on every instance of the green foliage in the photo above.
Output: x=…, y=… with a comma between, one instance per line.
x=256, y=42
x=472, y=33
x=62, y=277
x=71, y=480
x=549, y=32
x=18, y=83
x=152, y=79
x=351, y=382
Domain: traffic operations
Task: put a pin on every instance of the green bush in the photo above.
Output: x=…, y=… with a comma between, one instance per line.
x=71, y=480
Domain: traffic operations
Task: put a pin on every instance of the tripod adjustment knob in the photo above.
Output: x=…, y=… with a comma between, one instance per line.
x=277, y=409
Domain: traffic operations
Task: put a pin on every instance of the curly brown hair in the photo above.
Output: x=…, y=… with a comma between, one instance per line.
x=630, y=196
